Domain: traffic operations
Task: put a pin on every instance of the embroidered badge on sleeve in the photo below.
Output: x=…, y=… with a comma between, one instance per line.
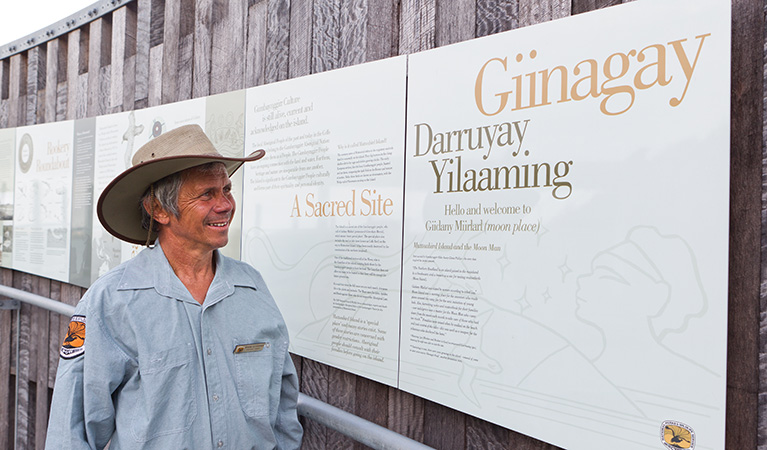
x=74, y=342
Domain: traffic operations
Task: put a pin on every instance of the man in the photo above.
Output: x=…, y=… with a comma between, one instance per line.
x=180, y=347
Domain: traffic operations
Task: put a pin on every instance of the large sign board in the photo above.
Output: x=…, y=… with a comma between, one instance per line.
x=322, y=212
x=530, y=227
x=43, y=199
x=566, y=226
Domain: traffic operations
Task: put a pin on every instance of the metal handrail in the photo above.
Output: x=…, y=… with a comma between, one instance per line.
x=355, y=427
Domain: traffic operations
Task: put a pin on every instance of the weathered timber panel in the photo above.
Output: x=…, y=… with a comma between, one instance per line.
x=151, y=52
x=6, y=349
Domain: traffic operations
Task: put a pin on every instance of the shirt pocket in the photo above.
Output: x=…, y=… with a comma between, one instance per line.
x=166, y=402
x=254, y=366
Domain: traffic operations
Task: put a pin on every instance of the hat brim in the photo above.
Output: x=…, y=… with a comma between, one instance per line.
x=118, y=207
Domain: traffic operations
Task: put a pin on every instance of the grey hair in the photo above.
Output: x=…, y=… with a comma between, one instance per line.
x=166, y=192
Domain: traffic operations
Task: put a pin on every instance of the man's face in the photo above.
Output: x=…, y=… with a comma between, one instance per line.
x=206, y=207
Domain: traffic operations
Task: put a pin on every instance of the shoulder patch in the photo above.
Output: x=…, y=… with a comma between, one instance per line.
x=74, y=342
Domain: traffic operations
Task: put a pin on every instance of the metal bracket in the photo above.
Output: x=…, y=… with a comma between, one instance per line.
x=6, y=303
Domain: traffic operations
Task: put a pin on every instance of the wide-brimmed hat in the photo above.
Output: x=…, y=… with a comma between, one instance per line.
x=119, y=208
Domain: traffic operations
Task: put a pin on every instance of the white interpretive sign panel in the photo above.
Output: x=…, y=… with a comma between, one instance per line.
x=43, y=199
x=322, y=211
x=117, y=138
x=566, y=227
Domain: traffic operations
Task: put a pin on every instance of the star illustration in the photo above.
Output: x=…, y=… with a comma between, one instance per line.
x=565, y=269
x=522, y=301
x=503, y=261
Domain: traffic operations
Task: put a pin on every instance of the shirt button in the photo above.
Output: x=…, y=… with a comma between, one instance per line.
x=209, y=351
x=215, y=399
x=220, y=444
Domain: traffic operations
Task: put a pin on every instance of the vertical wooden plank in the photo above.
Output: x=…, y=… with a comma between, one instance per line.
x=40, y=329
x=36, y=58
x=185, y=65
x=538, y=11
x=277, y=41
x=444, y=428
x=255, y=63
x=157, y=23
x=455, y=22
x=522, y=442
x=77, y=65
x=73, y=59
x=485, y=435
x=5, y=71
x=382, y=29
x=300, y=51
x=745, y=221
x=130, y=57
x=154, y=81
x=129, y=85
x=51, y=80
x=99, y=51
x=171, y=40
x=581, y=6
x=23, y=281
x=495, y=16
x=6, y=344
x=119, y=38
x=203, y=42
x=298, y=363
x=33, y=351
x=406, y=414
x=370, y=398
x=61, y=101
x=353, y=30
x=314, y=382
x=55, y=339
x=141, y=79
x=156, y=49
x=341, y=394
x=185, y=68
x=18, y=79
x=4, y=113
x=417, y=26
x=762, y=397
x=326, y=41
x=227, y=72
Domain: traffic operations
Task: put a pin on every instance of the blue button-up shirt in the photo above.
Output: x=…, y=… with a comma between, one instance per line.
x=161, y=371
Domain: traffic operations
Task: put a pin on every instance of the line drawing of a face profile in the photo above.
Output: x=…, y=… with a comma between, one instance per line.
x=638, y=293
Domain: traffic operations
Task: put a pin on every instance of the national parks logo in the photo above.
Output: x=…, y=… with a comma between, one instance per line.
x=74, y=342
x=677, y=435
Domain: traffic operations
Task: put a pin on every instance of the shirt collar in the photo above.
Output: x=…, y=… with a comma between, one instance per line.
x=151, y=269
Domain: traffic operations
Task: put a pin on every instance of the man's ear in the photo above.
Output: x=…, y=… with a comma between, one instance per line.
x=160, y=216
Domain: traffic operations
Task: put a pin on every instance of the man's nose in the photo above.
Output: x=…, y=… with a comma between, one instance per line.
x=224, y=203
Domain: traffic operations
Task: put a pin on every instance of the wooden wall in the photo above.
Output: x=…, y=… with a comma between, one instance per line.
x=151, y=52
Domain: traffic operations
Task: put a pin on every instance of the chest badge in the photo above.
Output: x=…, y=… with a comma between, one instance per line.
x=249, y=348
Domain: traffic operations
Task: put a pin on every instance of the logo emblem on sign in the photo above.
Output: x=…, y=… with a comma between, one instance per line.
x=74, y=342
x=677, y=435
